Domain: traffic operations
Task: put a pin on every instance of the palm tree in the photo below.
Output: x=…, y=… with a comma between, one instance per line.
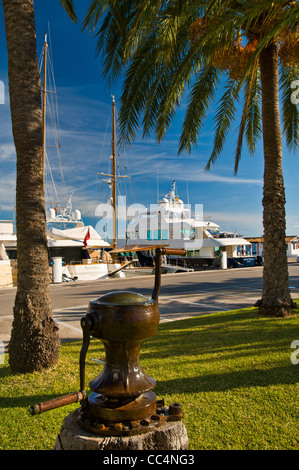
x=168, y=51
x=34, y=342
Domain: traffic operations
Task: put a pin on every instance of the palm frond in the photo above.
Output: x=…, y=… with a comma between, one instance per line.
x=182, y=64
x=95, y=12
x=68, y=5
x=250, y=81
x=150, y=42
x=157, y=75
x=290, y=112
x=135, y=88
x=110, y=43
x=200, y=98
x=253, y=130
x=225, y=114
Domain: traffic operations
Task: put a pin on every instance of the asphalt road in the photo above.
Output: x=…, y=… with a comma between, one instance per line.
x=181, y=296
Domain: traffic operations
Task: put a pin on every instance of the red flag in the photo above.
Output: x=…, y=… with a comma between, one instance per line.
x=87, y=237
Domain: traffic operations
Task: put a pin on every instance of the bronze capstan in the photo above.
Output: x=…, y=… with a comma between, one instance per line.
x=122, y=401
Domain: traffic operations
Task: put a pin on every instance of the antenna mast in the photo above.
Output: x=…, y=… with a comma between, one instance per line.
x=114, y=243
x=114, y=177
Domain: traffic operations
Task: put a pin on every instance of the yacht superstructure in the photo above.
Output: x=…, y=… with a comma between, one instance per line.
x=170, y=222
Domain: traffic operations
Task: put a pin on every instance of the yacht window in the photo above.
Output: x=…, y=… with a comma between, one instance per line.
x=186, y=232
x=149, y=235
x=165, y=235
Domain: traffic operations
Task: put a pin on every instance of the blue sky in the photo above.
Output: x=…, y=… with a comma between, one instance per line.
x=234, y=202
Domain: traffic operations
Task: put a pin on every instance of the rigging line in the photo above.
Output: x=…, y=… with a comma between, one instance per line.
x=52, y=103
x=100, y=156
x=131, y=183
x=52, y=106
x=54, y=100
x=55, y=125
x=51, y=69
x=127, y=170
x=53, y=182
x=157, y=184
x=56, y=139
x=51, y=81
x=41, y=59
x=99, y=191
x=187, y=190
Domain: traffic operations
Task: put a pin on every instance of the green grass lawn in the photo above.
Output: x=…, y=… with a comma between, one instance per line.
x=231, y=372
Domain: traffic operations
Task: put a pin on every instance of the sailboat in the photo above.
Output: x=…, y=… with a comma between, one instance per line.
x=76, y=251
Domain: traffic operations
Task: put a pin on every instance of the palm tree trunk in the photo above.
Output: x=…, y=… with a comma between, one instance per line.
x=276, y=299
x=34, y=342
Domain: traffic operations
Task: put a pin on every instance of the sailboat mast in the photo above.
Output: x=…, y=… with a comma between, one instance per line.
x=114, y=244
x=44, y=103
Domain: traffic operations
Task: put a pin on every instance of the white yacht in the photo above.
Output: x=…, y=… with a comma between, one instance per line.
x=77, y=251
x=7, y=266
x=170, y=223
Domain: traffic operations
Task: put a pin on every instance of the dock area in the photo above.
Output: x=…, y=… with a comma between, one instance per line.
x=182, y=295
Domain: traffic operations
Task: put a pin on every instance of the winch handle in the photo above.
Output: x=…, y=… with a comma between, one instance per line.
x=58, y=402
x=159, y=252
x=74, y=397
x=174, y=251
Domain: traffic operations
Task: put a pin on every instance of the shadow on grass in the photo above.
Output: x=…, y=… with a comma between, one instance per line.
x=27, y=401
x=224, y=351
x=229, y=332
x=216, y=352
x=230, y=380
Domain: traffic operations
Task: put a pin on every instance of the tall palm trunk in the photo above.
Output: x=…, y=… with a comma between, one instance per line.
x=276, y=299
x=34, y=342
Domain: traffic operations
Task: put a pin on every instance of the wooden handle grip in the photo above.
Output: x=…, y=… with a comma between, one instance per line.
x=173, y=251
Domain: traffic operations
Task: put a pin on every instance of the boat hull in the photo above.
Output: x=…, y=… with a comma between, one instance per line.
x=90, y=272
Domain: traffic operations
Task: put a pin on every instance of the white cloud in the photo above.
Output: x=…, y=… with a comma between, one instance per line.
x=241, y=222
x=173, y=168
x=7, y=191
x=7, y=152
x=212, y=177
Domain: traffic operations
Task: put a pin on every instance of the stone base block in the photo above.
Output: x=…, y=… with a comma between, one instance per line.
x=169, y=436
